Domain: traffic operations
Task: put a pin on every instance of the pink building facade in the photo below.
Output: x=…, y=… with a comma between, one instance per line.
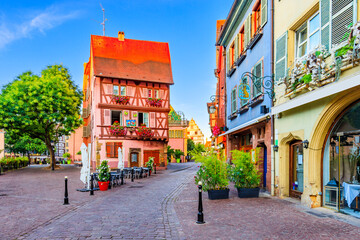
x=127, y=101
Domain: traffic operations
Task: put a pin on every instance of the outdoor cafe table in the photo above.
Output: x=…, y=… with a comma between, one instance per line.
x=351, y=191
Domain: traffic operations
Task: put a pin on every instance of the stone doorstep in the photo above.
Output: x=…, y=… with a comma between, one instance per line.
x=322, y=212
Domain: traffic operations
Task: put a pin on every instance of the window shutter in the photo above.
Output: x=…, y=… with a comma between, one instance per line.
x=342, y=15
x=116, y=147
x=325, y=22
x=152, y=119
x=246, y=31
x=84, y=131
x=146, y=119
x=134, y=116
x=236, y=52
x=228, y=60
x=107, y=117
x=281, y=57
x=108, y=149
x=263, y=12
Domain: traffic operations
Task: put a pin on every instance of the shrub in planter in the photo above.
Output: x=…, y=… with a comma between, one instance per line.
x=213, y=174
x=244, y=174
x=104, y=175
x=150, y=163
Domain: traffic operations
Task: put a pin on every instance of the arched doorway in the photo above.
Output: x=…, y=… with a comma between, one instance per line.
x=341, y=161
x=318, y=145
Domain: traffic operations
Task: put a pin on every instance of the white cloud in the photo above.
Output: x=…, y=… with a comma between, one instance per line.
x=39, y=22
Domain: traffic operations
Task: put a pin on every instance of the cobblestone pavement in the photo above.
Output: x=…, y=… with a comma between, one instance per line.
x=160, y=207
x=32, y=207
x=259, y=218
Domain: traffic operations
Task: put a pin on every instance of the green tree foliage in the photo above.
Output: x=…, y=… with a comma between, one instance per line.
x=198, y=149
x=170, y=153
x=43, y=106
x=23, y=144
x=190, y=145
x=213, y=172
x=178, y=153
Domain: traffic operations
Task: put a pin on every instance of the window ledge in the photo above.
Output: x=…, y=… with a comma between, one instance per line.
x=231, y=71
x=232, y=116
x=240, y=59
x=257, y=100
x=243, y=109
x=255, y=39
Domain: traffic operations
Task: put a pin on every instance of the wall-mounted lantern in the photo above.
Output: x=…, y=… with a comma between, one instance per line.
x=276, y=148
x=306, y=143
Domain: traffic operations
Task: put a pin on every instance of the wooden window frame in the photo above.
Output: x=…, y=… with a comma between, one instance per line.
x=118, y=92
x=256, y=18
x=121, y=117
x=112, y=149
x=242, y=39
x=121, y=92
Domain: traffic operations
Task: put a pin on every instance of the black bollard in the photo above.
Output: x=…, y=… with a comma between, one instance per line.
x=0, y=169
x=155, y=168
x=66, y=198
x=200, y=216
x=122, y=177
x=92, y=185
x=132, y=174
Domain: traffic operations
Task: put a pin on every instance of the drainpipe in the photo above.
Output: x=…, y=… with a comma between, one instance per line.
x=272, y=102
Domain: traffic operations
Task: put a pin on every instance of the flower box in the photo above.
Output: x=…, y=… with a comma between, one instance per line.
x=117, y=130
x=144, y=131
x=154, y=102
x=121, y=99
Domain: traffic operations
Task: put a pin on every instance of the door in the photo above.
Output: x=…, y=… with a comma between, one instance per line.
x=296, y=169
x=134, y=159
x=152, y=153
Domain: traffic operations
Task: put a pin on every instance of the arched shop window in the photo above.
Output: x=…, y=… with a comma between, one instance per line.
x=341, y=162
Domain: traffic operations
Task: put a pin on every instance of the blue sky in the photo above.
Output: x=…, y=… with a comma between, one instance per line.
x=34, y=34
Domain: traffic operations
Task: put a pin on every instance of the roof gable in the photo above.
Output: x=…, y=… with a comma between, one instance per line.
x=131, y=59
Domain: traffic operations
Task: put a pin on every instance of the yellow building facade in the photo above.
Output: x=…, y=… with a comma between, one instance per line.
x=317, y=95
x=194, y=132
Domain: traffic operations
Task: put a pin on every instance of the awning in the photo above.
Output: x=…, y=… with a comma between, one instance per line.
x=249, y=123
x=328, y=90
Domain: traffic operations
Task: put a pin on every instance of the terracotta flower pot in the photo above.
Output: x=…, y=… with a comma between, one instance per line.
x=103, y=186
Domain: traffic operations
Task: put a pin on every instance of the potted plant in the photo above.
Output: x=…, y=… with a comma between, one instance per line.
x=213, y=174
x=117, y=130
x=155, y=102
x=104, y=175
x=149, y=164
x=178, y=153
x=121, y=99
x=144, y=131
x=67, y=158
x=244, y=174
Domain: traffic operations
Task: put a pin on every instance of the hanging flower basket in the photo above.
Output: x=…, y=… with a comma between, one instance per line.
x=216, y=131
x=144, y=131
x=117, y=130
x=121, y=99
x=154, y=102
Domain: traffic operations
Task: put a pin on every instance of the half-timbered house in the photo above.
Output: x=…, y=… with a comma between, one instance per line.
x=127, y=100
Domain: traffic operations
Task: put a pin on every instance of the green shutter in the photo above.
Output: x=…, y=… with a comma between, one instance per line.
x=280, y=58
x=342, y=15
x=247, y=31
x=263, y=12
x=325, y=22
x=236, y=52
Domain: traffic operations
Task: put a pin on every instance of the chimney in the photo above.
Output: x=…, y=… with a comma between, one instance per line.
x=121, y=36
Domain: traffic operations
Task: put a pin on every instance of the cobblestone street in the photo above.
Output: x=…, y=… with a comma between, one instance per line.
x=163, y=206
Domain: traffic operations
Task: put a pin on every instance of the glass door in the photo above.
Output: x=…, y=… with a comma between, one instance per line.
x=296, y=169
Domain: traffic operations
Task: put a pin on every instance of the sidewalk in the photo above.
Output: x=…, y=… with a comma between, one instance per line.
x=265, y=217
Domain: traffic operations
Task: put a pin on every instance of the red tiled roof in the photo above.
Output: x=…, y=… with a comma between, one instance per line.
x=131, y=59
